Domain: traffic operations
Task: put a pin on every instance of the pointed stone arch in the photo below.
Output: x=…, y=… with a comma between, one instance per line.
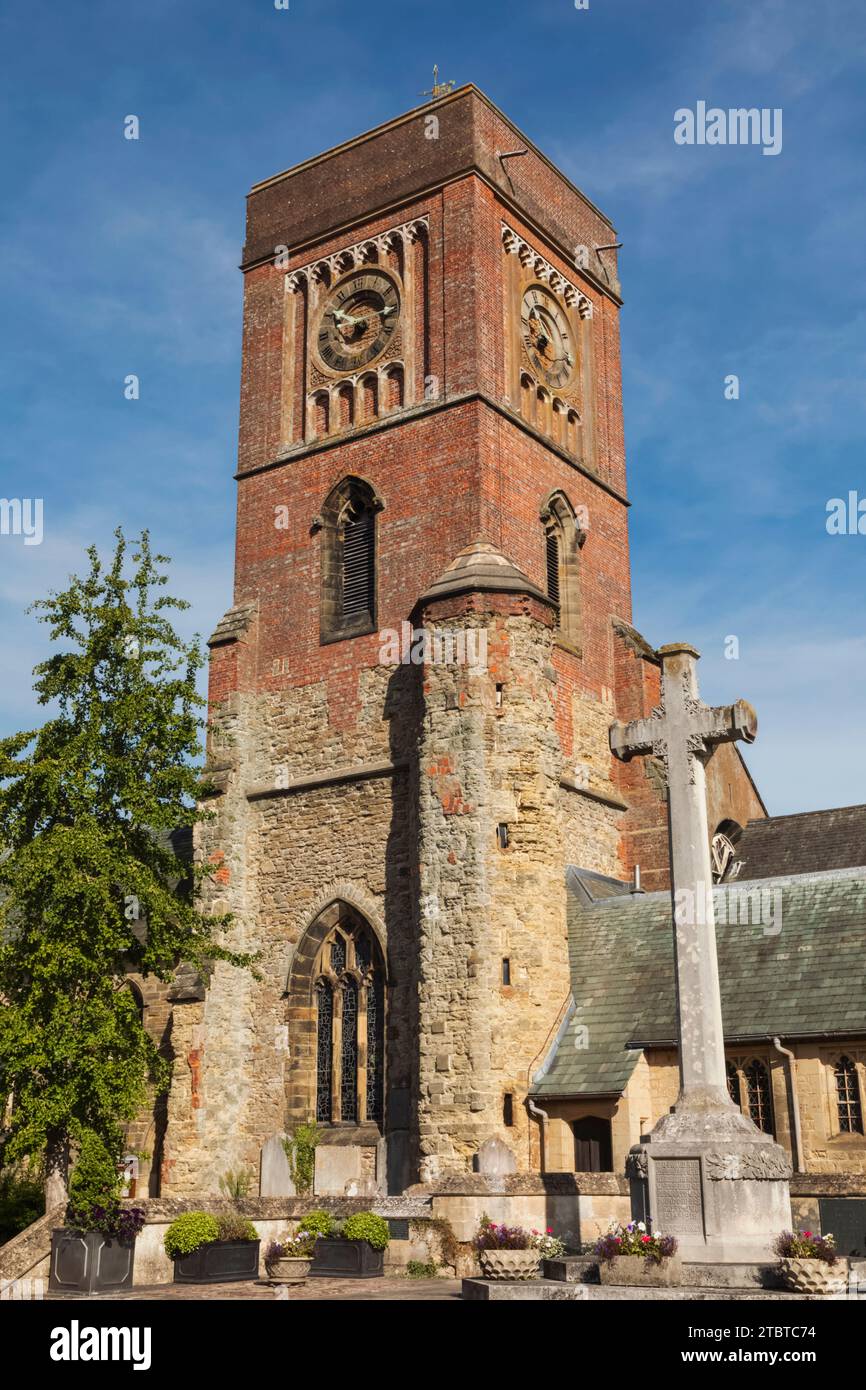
x=336, y=994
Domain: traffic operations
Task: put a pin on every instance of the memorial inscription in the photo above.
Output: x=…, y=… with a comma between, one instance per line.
x=678, y=1195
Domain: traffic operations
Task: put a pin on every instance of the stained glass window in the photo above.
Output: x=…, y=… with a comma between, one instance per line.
x=338, y=954
x=324, y=1049
x=349, y=1066
x=375, y=1049
x=848, y=1097
x=760, y=1096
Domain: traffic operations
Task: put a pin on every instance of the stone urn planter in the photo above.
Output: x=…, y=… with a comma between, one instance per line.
x=803, y=1275
x=641, y=1273
x=509, y=1264
x=288, y=1269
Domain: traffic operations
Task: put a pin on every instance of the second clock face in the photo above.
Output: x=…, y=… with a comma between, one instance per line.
x=358, y=321
x=547, y=336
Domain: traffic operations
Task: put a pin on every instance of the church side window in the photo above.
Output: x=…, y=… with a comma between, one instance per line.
x=849, y=1105
x=348, y=561
x=759, y=1095
x=350, y=1004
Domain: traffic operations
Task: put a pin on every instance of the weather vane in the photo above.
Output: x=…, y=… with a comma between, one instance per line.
x=439, y=89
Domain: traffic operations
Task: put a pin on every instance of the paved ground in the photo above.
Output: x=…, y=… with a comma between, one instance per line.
x=315, y=1289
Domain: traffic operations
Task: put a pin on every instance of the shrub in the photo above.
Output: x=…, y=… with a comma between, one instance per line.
x=633, y=1239
x=190, y=1231
x=366, y=1225
x=320, y=1223
x=233, y=1226
x=22, y=1201
x=489, y=1236
x=793, y=1245
x=301, y=1152
x=417, y=1269
x=94, y=1190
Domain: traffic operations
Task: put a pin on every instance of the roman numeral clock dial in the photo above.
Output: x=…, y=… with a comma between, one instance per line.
x=358, y=321
x=547, y=337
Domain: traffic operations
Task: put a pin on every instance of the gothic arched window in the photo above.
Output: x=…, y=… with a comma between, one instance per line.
x=759, y=1095
x=350, y=1023
x=563, y=538
x=849, y=1105
x=348, y=567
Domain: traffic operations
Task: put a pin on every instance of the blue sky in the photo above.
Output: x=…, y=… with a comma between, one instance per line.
x=120, y=257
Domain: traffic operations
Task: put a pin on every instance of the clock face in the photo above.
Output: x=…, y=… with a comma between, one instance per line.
x=547, y=336
x=358, y=321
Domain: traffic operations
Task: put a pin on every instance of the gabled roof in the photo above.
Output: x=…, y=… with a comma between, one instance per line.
x=810, y=842
x=792, y=962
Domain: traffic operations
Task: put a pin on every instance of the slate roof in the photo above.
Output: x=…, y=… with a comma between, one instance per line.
x=801, y=844
x=801, y=974
x=481, y=568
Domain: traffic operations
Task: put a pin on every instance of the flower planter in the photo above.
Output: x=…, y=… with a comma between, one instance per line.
x=90, y=1263
x=641, y=1273
x=289, y=1269
x=220, y=1262
x=509, y=1264
x=804, y=1275
x=346, y=1259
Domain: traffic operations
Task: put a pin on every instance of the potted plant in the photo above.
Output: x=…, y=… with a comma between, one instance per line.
x=350, y=1249
x=632, y=1255
x=94, y=1251
x=506, y=1252
x=209, y=1249
x=288, y=1260
x=810, y=1263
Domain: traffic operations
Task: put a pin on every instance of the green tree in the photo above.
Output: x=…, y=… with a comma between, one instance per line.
x=89, y=877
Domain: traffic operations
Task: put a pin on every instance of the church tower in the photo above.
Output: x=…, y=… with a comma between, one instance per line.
x=410, y=696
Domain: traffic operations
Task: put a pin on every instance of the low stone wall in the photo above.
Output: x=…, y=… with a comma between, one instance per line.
x=576, y=1207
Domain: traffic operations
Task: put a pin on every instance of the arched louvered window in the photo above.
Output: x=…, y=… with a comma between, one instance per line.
x=551, y=541
x=348, y=560
x=563, y=538
x=350, y=1054
x=359, y=535
x=759, y=1095
x=849, y=1104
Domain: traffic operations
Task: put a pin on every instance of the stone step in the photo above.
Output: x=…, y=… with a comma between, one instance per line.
x=560, y=1291
x=583, y=1269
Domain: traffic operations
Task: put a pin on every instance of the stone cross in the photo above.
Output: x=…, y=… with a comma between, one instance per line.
x=682, y=733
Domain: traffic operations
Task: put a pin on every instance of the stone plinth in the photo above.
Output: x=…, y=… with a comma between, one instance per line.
x=716, y=1182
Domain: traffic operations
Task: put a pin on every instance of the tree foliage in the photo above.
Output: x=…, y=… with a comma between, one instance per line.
x=90, y=883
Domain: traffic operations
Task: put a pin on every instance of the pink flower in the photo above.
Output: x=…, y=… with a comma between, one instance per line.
x=645, y=1239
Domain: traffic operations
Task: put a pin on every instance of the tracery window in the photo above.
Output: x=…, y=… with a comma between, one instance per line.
x=350, y=1021
x=848, y=1102
x=759, y=1094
